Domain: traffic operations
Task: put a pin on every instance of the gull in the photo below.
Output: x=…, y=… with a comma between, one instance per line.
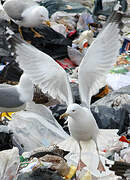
x=11, y=97
x=26, y=13
x=42, y=70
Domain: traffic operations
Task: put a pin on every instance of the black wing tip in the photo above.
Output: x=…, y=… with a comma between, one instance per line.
x=13, y=40
x=12, y=37
x=117, y=14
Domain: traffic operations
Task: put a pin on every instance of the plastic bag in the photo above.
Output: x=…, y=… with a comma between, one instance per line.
x=112, y=111
x=60, y=28
x=5, y=138
x=75, y=55
x=61, y=17
x=84, y=19
x=125, y=154
x=36, y=127
x=9, y=162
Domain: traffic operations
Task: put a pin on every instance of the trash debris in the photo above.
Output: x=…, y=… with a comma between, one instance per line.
x=9, y=163
x=84, y=41
x=60, y=5
x=45, y=160
x=116, y=110
x=75, y=55
x=84, y=20
x=68, y=20
x=5, y=138
x=39, y=125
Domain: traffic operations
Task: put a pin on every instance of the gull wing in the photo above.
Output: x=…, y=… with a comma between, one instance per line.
x=42, y=70
x=98, y=60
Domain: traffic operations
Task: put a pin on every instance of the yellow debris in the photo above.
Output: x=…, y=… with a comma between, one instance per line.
x=71, y=172
x=7, y=115
x=87, y=176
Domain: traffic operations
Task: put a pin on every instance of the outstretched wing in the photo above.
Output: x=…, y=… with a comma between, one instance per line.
x=98, y=60
x=42, y=70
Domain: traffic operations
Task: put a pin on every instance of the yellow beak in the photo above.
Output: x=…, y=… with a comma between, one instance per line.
x=48, y=23
x=64, y=115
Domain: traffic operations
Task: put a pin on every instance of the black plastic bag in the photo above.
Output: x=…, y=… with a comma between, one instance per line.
x=40, y=174
x=11, y=72
x=113, y=110
x=5, y=138
x=51, y=42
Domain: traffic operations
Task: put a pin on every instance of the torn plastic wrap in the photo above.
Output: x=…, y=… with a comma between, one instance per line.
x=9, y=163
x=69, y=20
x=36, y=127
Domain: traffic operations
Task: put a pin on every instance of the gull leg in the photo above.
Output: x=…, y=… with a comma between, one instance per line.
x=20, y=31
x=36, y=34
x=80, y=162
x=100, y=165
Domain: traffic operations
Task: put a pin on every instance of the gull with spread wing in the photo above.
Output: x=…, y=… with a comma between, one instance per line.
x=41, y=69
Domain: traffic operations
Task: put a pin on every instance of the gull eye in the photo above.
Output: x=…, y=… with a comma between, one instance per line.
x=73, y=110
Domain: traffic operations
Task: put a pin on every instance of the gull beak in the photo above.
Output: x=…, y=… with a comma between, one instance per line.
x=64, y=115
x=48, y=23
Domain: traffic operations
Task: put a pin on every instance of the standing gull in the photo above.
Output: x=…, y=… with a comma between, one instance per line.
x=41, y=69
x=26, y=13
x=14, y=98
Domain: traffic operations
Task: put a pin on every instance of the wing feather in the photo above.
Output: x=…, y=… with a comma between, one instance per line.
x=97, y=62
x=43, y=71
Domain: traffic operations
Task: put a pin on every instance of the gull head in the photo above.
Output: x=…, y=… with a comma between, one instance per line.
x=42, y=14
x=73, y=110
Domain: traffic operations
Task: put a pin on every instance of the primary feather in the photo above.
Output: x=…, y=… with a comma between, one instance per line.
x=97, y=62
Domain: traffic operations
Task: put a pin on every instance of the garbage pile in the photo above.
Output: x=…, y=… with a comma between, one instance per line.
x=120, y=153
x=35, y=144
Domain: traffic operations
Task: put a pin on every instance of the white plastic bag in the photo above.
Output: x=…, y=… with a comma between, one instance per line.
x=36, y=127
x=75, y=55
x=65, y=18
x=9, y=163
x=60, y=28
